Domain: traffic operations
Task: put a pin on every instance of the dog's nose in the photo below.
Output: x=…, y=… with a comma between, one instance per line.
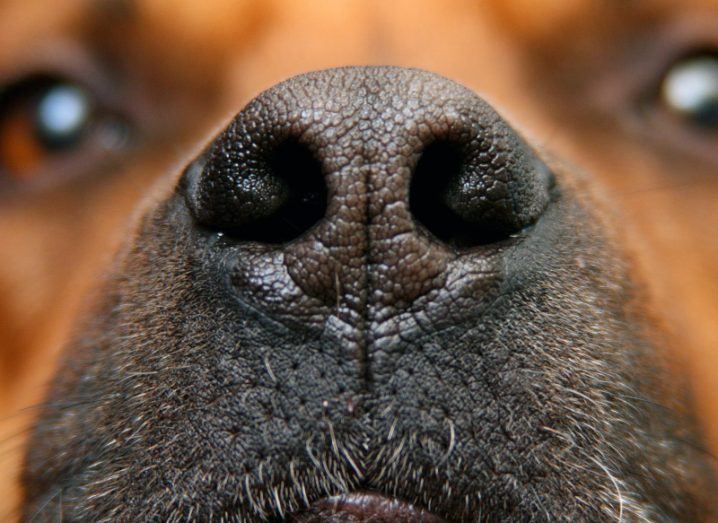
x=348, y=194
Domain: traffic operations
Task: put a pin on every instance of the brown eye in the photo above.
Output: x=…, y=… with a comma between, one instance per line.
x=689, y=90
x=49, y=124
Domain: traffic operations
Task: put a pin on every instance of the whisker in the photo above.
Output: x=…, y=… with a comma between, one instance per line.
x=42, y=507
x=660, y=189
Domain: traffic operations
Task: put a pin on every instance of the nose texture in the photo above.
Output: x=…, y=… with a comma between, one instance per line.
x=366, y=201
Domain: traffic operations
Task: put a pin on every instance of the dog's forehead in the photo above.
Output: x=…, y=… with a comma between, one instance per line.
x=254, y=43
x=574, y=17
x=228, y=51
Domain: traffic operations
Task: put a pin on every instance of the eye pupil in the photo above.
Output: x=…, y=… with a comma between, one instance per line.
x=690, y=89
x=63, y=112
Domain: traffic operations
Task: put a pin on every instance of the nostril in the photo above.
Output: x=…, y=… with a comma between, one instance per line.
x=270, y=193
x=439, y=164
x=468, y=195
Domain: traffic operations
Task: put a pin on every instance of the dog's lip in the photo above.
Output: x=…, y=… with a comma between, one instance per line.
x=364, y=506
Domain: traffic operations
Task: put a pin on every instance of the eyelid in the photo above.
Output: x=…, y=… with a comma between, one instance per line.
x=626, y=85
x=65, y=58
x=89, y=158
x=624, y=93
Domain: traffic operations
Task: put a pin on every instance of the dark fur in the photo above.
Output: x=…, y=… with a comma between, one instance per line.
x=507, y=381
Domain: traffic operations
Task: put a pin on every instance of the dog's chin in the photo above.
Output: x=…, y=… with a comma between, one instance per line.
x=364, y=506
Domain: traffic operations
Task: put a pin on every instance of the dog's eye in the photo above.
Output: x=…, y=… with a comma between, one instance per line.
x=45, y=121
x=689, y=90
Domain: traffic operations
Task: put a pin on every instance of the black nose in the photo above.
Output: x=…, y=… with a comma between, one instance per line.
x=434, y=151
x=353, y=191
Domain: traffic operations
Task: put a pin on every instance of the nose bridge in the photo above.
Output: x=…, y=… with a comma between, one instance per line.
x=368, y=252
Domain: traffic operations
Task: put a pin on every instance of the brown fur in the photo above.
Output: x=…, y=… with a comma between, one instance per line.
x=567, y=75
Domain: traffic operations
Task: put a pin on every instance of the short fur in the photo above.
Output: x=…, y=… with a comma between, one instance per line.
x=528, y=367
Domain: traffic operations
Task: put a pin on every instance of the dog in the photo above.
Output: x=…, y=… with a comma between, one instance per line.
x=359, y=261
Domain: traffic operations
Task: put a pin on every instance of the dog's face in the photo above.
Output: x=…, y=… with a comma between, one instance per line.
x=365, y=296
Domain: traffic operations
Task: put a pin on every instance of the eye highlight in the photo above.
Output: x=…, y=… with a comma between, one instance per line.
x=64, y=111
x=689, y=90
x=47, y=123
